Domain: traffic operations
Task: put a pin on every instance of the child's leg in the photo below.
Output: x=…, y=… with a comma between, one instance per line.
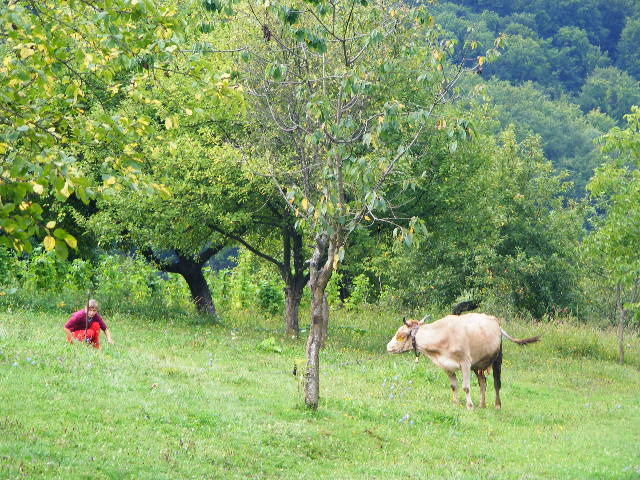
x=80, y=335
x=94, y=334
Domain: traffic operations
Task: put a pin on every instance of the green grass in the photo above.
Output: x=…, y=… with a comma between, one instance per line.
x=187, y=400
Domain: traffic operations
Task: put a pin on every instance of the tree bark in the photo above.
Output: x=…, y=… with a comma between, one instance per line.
x=314, y=344
x=200, y=293
x=191, y=270
x=294, y=278
x=292, y=298
x=320, y=270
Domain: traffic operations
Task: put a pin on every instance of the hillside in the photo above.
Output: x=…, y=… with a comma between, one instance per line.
x=568, y=71
x=174, y=400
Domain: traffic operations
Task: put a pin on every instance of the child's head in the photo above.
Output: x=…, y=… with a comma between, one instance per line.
x=92, y=307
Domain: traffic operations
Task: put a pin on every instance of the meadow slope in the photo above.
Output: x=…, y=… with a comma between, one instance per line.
x=186, y=400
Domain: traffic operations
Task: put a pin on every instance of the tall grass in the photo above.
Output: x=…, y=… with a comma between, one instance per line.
x=177, y=398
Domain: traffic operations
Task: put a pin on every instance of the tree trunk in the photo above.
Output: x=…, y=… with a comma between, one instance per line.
x=292, y=298
x=314, y=344
x=295, y=281
x=621, y=316
x=191, y=270
x=200, y=292
x=320, y=271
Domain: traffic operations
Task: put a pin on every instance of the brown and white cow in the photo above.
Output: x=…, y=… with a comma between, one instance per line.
x=469, y=342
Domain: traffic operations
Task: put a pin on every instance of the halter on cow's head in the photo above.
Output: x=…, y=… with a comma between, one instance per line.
x=405, y=337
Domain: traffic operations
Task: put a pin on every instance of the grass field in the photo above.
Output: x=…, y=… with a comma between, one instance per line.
x=188, y=400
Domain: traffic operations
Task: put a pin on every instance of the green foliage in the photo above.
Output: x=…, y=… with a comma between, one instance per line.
x=628, y=59
x=243, y=287
x=269, y=345
x=59, y=61
x=250, y=285
x=45, y=271
x=525, y=59
x=43, y=280
x=567, y=134
x=9, y=265
x=124, y=282
x=270, y=297
x=392, y=82
x=504, y=233
x=603, y=20
x=576, y=57
x=360, y=292
x=613, y=244
x=333, y=290
x=611, y=90
x=560, y=59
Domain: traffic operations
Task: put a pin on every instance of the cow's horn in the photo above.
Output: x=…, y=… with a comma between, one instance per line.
x=404, y=320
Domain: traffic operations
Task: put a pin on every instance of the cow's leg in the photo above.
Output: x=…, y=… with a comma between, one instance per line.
x=482, y=383
x=454, y=387
x=465, y=367
x=497, y=370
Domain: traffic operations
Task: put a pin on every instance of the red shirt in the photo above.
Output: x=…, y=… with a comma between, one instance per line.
x=78, y=320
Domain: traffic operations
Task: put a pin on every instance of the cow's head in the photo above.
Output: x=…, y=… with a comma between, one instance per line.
x=403, y=339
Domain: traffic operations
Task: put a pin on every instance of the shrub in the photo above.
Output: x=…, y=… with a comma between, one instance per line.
x=124, y=282
x=361, y=289
x=333, y=289
x=270, y=297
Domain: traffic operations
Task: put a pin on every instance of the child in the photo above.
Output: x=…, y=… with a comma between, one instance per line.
x=79, y=328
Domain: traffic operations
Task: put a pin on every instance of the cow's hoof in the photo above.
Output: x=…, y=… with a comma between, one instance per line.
x=469, y=406
x=498, y=406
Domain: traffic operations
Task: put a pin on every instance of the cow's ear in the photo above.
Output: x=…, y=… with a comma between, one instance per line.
x=421, y=322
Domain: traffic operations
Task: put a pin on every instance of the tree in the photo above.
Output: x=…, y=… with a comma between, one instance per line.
x=576, y=57
x=214, y=200
x=615, y=242
x=172, y=231
x=603, y=20
x=628, y=59
x=567, y=134
x=195, y=171
x=59, y=60
x=524, y=59
x=498, y=231
x=610, y=90
x=346, y=90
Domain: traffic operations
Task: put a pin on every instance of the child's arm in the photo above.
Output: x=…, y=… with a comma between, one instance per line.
x=69, y=335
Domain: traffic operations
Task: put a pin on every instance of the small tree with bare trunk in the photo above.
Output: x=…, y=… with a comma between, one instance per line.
x=614, y=243
x=344, y=96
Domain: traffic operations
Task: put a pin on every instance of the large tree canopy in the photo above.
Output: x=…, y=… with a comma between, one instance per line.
x=61, y=59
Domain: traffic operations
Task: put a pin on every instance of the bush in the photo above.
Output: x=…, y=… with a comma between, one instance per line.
x=361, y=289
x=270, y=297
x=9, y=265
x=332, y=291
x=124, y=282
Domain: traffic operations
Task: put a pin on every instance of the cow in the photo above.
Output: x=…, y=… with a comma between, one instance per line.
x=469, y=342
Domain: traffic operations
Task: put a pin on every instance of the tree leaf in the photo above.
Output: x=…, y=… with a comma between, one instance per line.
x=49, y=243
x=71, y=241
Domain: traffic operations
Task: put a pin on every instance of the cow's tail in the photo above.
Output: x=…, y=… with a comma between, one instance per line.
x=520, y=341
